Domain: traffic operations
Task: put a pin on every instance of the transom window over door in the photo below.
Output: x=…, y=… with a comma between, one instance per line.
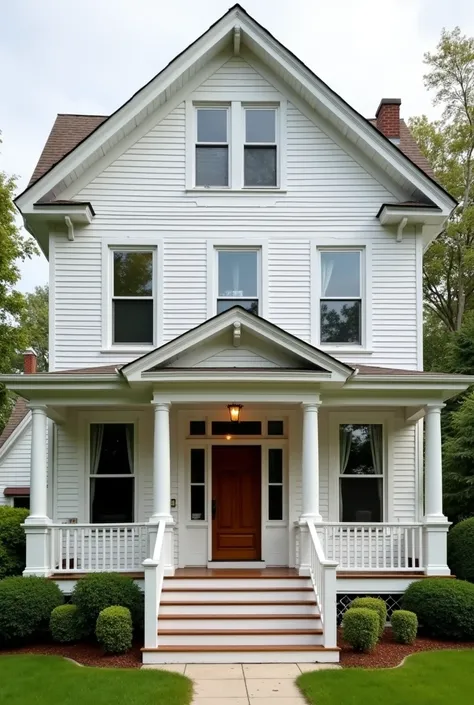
x=238, y=280
x=361, y=472
x=112, y=478
x=212, y=147
x=132, y=297
x=260, y=148
x=341, y=296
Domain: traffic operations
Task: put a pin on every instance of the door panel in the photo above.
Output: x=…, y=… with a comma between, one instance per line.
x=236, y=492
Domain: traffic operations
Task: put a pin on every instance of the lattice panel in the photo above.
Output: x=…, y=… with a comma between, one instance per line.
x=393, y=602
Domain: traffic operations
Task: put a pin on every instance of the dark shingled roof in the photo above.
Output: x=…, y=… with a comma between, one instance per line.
x=19, y=411
x=410, y=148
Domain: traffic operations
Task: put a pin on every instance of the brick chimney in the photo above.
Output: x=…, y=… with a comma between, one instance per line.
x=29, y=362
x=388, y=118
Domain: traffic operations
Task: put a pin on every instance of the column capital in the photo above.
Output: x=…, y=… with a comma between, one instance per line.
x=311, y=405
x=161, y=405
x=37, y=408
x=435, y=408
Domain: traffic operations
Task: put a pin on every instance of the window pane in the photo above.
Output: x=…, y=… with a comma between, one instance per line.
x=260, y=166
x=275, y=428
x=260, y=126
x=340, y=274
x=340, y=321
x=211, y=125
x=249, y=305
x=21, y=502
x=112, y=499
x=275, y=465
x=198, y=459
x=237, y=273
x=133, y=321
x=198, y=502
x=133, y=273
x=212, y=166
x=111, y=449
x=361, y=499
x=361, y=449
x=197, y=428
x=275, y=502
x=241, y=428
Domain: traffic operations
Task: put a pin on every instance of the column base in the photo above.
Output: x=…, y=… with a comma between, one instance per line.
x=38, y=544
x=316, y=518
x=156, y=518
x=435, y=546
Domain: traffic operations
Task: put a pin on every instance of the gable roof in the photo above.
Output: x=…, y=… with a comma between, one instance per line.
x=19, y=412
x=262, y=44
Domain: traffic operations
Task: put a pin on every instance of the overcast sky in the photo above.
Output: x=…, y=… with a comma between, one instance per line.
x=90, y=56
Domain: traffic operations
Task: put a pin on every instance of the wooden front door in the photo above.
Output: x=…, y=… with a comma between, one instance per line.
x=236, y=503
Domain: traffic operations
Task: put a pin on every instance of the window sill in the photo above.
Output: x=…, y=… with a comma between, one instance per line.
x=334, y=349
x=127, y=351
x=246, y=191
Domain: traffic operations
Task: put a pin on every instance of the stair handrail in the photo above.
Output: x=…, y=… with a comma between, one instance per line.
x=323, y=577
x=154, y=568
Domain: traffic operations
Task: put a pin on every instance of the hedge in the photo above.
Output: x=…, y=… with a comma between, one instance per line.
x=65, y=625
x=376, y=604
x=361, y=628
x=461, y=550
x=12, y=541
x=25, y=607
x=114, y=629
x=96, y=591
x=444, y=607
x=404, y=626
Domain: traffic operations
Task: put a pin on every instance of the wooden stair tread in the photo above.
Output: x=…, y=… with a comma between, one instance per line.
x=239, y=616
x=217, y=648
x=234, y=632
x=198, y=603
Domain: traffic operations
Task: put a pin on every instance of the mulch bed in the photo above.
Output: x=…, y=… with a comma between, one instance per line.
x=388, y=653
x=87, y=654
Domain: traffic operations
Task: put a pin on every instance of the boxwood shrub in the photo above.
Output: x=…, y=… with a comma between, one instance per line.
x=404, y=626
x=114, y=629
x=96, y=591
x=12, y=541
x=65, y=625
x=444, y=607
x=461, y=550
x=361, y=628
x=376, y=604
x=25, y=607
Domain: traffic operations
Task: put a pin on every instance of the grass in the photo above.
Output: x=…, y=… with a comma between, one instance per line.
x=433, y=678
x=50, y=680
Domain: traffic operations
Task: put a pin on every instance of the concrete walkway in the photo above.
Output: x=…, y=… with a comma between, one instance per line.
x=248, y=684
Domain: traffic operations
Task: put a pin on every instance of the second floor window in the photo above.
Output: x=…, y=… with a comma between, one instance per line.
x=238, y=280
x=340, y=297
x=132, y=297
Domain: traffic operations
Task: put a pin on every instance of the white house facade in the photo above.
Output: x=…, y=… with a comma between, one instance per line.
x=236, y=403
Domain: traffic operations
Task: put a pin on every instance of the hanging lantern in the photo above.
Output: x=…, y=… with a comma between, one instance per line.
x=234, y=412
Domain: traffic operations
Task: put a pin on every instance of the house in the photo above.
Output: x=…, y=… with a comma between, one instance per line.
x=236, y=402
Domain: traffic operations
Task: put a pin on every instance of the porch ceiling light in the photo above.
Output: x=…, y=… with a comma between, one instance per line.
x=234, y=411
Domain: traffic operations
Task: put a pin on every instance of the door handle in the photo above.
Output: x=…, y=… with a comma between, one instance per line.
x=214, y=508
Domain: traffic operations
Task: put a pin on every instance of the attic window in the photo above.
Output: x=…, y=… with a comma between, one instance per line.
x=212, y=149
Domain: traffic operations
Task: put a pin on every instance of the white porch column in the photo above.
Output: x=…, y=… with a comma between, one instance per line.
x=436, y=524
x=309, y=481
x=162, y=481
x=37, y=523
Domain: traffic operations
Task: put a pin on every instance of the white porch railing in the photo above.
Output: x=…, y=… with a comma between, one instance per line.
x=374, y=547
x=323, y=577
x=78, y=548
x=154, y=575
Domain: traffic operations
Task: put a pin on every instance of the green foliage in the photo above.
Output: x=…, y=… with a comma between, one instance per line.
x=461, y=550
x=458, y=465
x=361, y=628
x=25, y=607
x=404, y=626
x=376, y=604
x=34, y=323
x=444, y=607
x=114, y=629
x=65, y=625
x=96, y=591
x=12, y=541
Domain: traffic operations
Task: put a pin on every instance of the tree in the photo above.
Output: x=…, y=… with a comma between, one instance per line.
x=13, y=249
x=34, y=322
x=449, y=146
x=458, y=461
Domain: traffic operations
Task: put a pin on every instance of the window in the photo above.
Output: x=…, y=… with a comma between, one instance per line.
x=341, y=298
x=260, y=149
x=198, y=484
x=132, y=297
x=236, y=428
x=238, y=280
x=197, y=428
x=212, y=148
x=112, y=480
x=275, y=428
x=21, y=502
x=275, y=484
x=361, y=472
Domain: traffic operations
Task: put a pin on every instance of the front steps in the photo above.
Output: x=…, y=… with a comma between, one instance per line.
x=239, y=617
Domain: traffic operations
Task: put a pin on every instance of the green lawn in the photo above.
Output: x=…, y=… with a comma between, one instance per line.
x=433, y=678
x=50, y=680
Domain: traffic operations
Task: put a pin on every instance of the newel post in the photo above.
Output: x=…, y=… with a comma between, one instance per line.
x=151, y=604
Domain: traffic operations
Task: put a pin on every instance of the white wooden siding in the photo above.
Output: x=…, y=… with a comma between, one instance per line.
x=15, y=464
x=141, y=197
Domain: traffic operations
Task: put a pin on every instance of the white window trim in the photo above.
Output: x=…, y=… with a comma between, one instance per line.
x=260, y=246
x=235, y=140
x=108, y=247
x=334, y=245
x=228, y=143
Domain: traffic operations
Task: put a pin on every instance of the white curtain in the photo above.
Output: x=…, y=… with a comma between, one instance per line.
x=327, y=266
x=345, y=442
x=375, y=435
x=97, y=436
x=236, y=280
x=129, y=436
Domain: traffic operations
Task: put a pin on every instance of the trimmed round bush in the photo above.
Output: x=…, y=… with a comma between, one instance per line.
x=25, y=607
x=114, y=629
x=404, y=626
x=444, y=607
x=376, y=604
x=12, y=541
x=461, y=550
x=361, y=628
x=64, y=624
x=96, y=591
